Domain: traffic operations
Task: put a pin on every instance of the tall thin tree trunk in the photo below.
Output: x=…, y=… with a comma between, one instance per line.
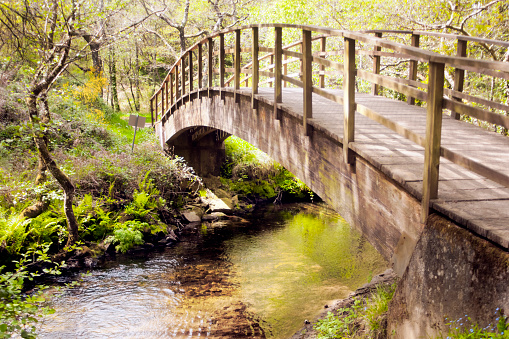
x=137, y=79
x=113, y=80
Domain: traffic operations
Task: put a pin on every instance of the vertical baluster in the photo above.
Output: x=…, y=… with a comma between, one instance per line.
x=256, y=67
x=221, y=60
x=278, y=53
x=183, y=75
x=177, y=88
x=271, y=63
x=152, y=110
x=285, y=68
x=172, y=100
x=375, y=88
x=190, y=76
x=349, y=100
x=237, y=60
x=433, y=136
x=307, y=79
x=323, y=45
x=459, y=74
x=412, y=68
x=166, y=95
x=157, y=104
x=211, y=62
x=163, y=108
x=200, y=66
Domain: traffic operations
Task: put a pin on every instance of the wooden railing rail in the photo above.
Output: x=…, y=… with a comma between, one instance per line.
x=338, y=55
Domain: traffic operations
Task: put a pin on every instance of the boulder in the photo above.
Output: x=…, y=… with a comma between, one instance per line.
x=191, y=216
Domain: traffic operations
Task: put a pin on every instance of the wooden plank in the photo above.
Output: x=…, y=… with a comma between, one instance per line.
x=324, y=93
x=349, y=99
x=200, y=66
x=460, y=95
x=323, y=45
x=256, y=66
x=477, y=113
x=433, y=135
x=177, y=79
x=412, y=68
x=190, y=70
x=237, y=60
x=210, y=45
x=293, y=54
x=375, y=88
x=307, y=80
x=459, y=75
x=221, y=61
x=392, y=84
x=172, y=100
x=329, y=63
x=293, y=81
x=183, y=75
x=278, y=56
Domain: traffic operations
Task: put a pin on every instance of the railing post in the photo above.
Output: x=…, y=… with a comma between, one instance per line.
x=459, y=75
x=307, y=79
x=172, y=101
x=190, y=76
x=272, y=63
x=211, y=63
x=167, y=93
x=183, y=75
x=200, y=66
x=323, y=45
x=256, y=68
x=375, y=88
x=349, y=99
x=285, y=69
x=278, y=53
x=152, y=111
x=237, y=60
x=412, y=67
x=177, y=91
x=157, y=94
x=221, y=60
x=162, y=101
x=433, y=136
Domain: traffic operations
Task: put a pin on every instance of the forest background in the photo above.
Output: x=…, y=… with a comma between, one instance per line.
x=71, y=71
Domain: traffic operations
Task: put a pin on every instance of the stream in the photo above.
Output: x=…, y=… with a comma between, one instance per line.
x=260, y=279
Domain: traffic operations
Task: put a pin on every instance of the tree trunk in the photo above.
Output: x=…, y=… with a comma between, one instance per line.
x=113, y=80
x=137, y=80
x=61, y=177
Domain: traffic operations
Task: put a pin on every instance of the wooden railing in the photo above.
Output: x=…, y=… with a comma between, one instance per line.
x=337, y=55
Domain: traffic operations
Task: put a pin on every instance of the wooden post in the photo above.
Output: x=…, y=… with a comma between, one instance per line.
x=285, y=69
x=307, y=79
x=177, y=90
x=412, y=67
x=167, y=96
x=152, y=111
x=200, y=66
x=256, y=68
x=211, y=63
x=162, y=100
x=459, y=75
x=375, y=88
x=278, y=53
x=433, y=135
x=172, y=101
x=190, y=76
x=237, y=60
x=183, y=74
x=271, y=63
x=349, y=99
x=323, y=44
x=157, y=94
x=221, y=60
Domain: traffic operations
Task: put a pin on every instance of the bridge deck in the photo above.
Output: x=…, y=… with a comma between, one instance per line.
x=479, y=204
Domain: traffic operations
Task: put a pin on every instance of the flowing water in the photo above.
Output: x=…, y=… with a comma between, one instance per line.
x=259, y=279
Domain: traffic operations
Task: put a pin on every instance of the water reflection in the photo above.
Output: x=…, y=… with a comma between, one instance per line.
x=255, y=280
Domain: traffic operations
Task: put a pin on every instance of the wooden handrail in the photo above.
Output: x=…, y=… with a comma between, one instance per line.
x=176, y=88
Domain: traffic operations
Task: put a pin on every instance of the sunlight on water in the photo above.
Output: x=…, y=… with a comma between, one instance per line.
x=260, y=280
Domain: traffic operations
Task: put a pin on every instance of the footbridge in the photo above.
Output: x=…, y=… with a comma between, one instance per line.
x=380, y=127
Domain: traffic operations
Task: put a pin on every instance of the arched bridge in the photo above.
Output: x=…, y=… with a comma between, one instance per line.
x=386, y=146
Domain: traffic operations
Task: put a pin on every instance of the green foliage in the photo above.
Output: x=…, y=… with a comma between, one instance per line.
x=127, y=235
x=349, y=319
x=343, y=326
x=13, y=231
x=19, y=312
x=465, y=328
